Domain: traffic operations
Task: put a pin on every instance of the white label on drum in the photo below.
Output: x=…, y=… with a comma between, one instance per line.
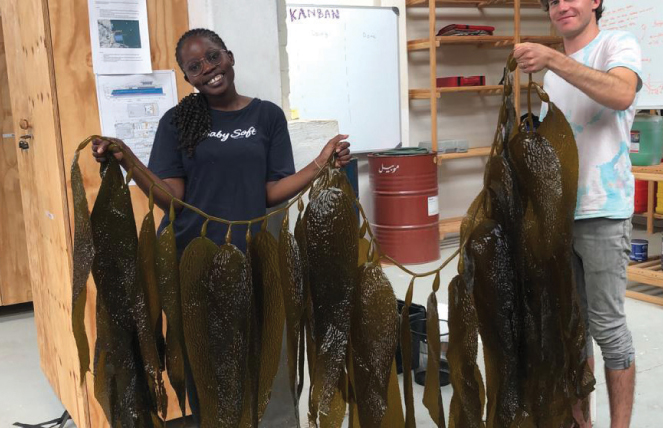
x=433, y=206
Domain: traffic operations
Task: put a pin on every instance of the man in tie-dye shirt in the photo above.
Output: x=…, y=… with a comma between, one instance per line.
x=595, y=82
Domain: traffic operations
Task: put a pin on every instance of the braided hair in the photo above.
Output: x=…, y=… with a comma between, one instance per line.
x=191, y=116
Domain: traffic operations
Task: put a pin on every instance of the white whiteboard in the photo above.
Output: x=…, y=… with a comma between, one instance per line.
x=643, y=18
x=344, y=66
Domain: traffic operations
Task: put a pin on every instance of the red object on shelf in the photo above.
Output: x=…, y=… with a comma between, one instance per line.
x=467, y=30
x=640, y=197
x=455, y=81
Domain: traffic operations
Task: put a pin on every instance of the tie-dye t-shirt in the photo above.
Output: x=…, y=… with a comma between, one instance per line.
x=605, y=183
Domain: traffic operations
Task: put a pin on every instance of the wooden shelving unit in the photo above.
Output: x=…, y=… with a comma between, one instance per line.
x=650, y=274
x=433, y=42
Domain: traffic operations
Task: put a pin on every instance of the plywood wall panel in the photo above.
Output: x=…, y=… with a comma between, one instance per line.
x=33, y=98
x=14, y=269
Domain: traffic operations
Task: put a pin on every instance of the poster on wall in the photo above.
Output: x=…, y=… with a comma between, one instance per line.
x=131, y=106
x=119, y=36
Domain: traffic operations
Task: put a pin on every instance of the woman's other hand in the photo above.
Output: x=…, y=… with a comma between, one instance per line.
x=340, y=147
x=100, y=148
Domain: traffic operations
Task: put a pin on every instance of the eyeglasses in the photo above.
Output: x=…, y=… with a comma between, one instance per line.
x=212, y=57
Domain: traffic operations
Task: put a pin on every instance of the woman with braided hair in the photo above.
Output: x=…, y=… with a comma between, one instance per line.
x=225, y=153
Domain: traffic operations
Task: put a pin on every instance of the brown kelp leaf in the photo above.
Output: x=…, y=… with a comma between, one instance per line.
x=271, y=313
x=123, y=389
x=467, y=402
x=195, y=267
x=393, y=417
x=492, y=275
x=292, y=287
x=252, y=379
x=168, y=281
x=147, y=313
x=406, y=357
x=83, y=256
x=307, y=321
x=432, y=393
x=374, y=338
x=332, y=177
x=334, y=419
x=331, y=235
x=229, y=296
x=475, y=214
x=363, y=247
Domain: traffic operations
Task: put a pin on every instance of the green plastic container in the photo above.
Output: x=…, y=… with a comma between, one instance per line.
x=646, y=140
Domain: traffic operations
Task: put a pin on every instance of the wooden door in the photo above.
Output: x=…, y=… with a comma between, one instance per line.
x=26, y=30
x=14, y=270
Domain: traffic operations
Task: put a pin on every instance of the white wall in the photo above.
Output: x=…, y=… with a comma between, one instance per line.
x=250, y=29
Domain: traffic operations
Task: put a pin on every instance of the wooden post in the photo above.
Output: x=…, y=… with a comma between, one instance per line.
x=432, y=53
x=14, y=266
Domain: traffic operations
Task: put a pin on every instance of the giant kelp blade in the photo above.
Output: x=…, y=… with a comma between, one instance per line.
x=331, y=235
x=406, y=358
x=374, y=338
x=195, y=267
x=432, y=393
x=229, y=296
x=123, y=389
x=83, y=257
x=168, y=280
x=147, y=314
x=292, y=287
x=467, y=402
x=493, y=278
x=393, y=417
x=271, y=314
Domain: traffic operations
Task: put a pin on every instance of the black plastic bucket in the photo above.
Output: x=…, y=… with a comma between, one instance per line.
x=420, y=344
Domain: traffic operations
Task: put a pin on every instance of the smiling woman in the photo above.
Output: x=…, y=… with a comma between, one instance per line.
x=227, y=154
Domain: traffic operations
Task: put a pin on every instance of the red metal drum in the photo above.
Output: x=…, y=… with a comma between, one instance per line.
x=640, y=197
x=406, y=219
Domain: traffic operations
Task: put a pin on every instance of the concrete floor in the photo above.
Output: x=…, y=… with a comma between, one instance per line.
x=25, y=395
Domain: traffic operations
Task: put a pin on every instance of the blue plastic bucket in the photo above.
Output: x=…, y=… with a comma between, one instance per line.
x=639, y=250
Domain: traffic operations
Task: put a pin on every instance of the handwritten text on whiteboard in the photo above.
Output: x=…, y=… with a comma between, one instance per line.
x=301, y=13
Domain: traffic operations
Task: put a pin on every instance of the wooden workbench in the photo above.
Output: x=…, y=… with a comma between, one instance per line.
x=649, y=272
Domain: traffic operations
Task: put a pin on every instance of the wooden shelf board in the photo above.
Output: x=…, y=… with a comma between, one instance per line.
x=471, y=153
x=473, y=3
x=424, y=94
x=648, y=273
x=648, y=173
x=481, y=41
x=450, y=225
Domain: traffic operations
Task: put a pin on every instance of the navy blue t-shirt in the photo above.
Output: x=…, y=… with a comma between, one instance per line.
x=227, y=175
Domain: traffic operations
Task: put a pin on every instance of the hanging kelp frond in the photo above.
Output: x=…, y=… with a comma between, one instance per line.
x=83, y=257
x=374, y=337
x=271, y=314
x=121, y=384
x=517, y=279
x=291, y=272
x=331, y=238
x=168, y=282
